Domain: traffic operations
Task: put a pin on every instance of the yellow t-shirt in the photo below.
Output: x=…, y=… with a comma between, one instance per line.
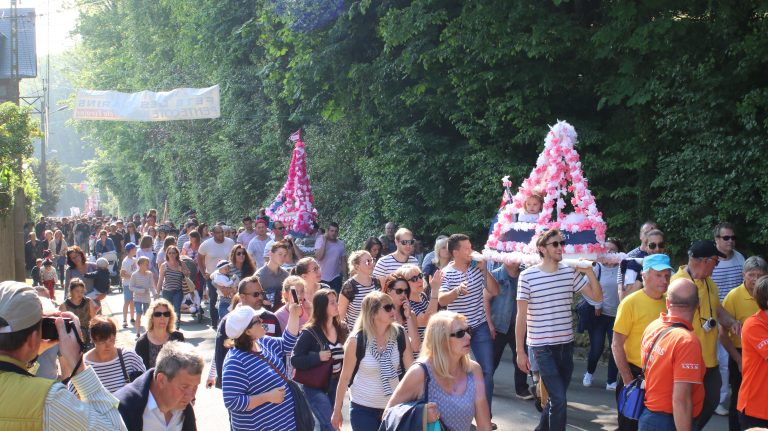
x=740, y=305
x=708, y=339
x=635, y=313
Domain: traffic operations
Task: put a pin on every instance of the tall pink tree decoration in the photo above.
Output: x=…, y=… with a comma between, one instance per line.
x=294, y=205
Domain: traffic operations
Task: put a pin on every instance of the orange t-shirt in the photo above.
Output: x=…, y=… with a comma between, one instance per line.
x=676, y=358
x=753, y=396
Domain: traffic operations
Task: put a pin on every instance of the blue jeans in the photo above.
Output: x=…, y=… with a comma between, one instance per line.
x=650, y=421
x=213, y=296
x=601, y=327
x=482, y=350
x=364, y=418
x=223, y=307
x=174, y=297
x=334, y=284
x=556, y=369
x=321, y=403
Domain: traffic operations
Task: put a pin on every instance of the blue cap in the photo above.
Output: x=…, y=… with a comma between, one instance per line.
x=656, y=262
x=130, y=246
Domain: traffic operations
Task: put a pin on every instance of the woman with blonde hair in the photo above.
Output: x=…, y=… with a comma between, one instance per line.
x=455, y=382
x=441, y=257
x=357, y=286
x=385, y=355
x=161, y=328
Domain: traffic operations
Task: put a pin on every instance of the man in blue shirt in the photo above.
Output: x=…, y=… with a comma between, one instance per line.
x=503, y=314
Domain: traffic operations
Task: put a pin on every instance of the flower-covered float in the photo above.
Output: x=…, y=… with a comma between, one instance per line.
x=294, y=205
x=519, y=222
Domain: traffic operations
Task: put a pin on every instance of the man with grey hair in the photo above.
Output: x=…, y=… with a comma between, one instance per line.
x=740, y=303
x=161, y=398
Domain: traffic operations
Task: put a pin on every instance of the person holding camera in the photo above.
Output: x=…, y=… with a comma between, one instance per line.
x=32, y=402
x=702, y=258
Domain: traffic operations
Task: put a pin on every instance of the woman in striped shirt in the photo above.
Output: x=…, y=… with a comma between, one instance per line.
x=171, y=279
x=356, y=287
x=322, y=340
x=399, y=290
x=375, y=376
x=105, y=359
x=253, y=378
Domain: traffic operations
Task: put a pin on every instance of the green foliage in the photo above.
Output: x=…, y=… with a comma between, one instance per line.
x=16, y=133
x=413, y=111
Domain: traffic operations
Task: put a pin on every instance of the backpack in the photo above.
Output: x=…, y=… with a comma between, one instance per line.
x=362, y=340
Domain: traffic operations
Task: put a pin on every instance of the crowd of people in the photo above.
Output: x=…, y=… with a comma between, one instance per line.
x=301, y=322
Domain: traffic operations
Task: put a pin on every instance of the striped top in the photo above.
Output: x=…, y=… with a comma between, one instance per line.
x=729, y=274
x=355, y=292
x=337, y=355
x=367, y=389
x=111, y=373
x=471, y=303
x=550, y=299
x=173, y=279
x=420, y=308
x=246, y=374
x=141, y=286
x=388, y=264
x=63, y=411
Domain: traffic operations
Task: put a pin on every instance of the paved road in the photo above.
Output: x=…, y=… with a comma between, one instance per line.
x=588, y=408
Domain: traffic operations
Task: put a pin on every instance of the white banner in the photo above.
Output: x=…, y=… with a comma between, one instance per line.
x=178, y=104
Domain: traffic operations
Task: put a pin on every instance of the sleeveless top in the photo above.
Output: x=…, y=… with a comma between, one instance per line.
x=173, y=279
x=456, y=411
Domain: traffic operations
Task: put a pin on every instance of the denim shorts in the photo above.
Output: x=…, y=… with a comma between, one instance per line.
x=127, y=294
x=140, y=307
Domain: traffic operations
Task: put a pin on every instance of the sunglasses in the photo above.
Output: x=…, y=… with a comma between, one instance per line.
x=461, y=333
x=368, y=261
x=727, y=237
x=315, y=269
x=388, y=307
x=279, y=228
x=161, y=314
x=399, y=291
x=555, y=244
x=239, y=253
x=407, y=241
x=254, y=294
x=172, y=252
x=415, y=278
x=654, y=245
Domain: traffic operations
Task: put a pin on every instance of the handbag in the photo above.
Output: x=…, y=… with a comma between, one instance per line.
x=317, y=377
x=305, y=421
x=631, y=400
x=412, y=415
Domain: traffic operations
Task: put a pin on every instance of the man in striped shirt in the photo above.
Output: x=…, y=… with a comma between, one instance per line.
x=390, y=263
x=462, y=292
x=544, y=301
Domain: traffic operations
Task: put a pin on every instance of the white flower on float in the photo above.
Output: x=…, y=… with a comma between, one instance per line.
x=569, y=249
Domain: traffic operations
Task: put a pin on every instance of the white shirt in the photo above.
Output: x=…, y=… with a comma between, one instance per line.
x=154, y=419
x=214, y=252
x=256, y=250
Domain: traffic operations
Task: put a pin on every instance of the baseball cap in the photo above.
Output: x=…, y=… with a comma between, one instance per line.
x=704, y=248
x=238, y=321
x=656, y=262
x=20, y=307
x=130, y=246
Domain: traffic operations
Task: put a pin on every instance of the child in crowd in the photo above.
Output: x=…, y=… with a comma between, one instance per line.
x=35, y=274
x=128, y=267
x=81, y=306
x=141, y=284
x=100, y=280
x=533, y=206
x=224, y=285
x=48, y=276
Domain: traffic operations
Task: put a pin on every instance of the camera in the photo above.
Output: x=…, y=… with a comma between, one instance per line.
x=49, y=332
x=709, y=324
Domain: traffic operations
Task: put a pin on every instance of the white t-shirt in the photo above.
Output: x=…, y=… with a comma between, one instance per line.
x=214, y=252
x=244, y=238
x=330, y=264
x=130, y=266
x=256, y=250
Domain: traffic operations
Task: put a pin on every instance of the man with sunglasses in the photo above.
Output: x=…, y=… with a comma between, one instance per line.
x=630, y=269
x=544, y=302
x=464, y=283
x=727, y=275
x=251, y=294
x=331, y=254
x=390, y=263
x=703, y=257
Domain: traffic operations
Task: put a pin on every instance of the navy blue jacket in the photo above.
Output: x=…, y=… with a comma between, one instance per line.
x=133, y=400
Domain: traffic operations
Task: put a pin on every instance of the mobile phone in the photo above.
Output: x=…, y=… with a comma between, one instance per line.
x=295, y=296
x=49, y=331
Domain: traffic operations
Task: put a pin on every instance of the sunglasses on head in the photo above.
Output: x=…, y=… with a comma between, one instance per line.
x=655, y=245
x=557, y=244
x=388, y=307
x=462, y=332
x=727, y=237
x=161, y=314
x=415, y=278
x=407, y=241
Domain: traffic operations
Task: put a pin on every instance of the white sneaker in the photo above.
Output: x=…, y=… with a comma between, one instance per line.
x=721, y=411
x=587, y=381
x=610, y=386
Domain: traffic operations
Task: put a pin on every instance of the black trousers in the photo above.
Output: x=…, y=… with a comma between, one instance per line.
x=625, y=423
x=712, y=383
x=748, y=422
x=734, y=378
x=501, y=341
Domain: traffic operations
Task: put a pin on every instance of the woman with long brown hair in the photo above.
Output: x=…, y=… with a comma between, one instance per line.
x=242, y=263
x=172, y=278
x=322, y=340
